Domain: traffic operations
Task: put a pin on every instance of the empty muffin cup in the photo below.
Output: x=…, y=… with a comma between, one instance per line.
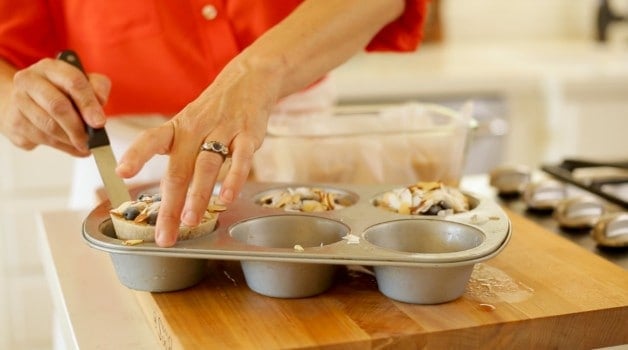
x=297, y=232
x=153, y=273
x=445, y=269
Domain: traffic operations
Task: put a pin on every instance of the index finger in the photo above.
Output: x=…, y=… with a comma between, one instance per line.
x=71, y=78
x=174, y=184
x=174, y=187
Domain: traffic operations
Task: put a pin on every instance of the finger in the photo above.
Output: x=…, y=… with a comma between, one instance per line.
x=40, y=119
x=76, y=85
x=101, y=85
x=151, y=142
x=27, y=136
x=67, y=148
x=54, y=102
x=241, y=163
x=60, y=112
x=169, y=219
x=206, y=171
x=23, y=139
x=174, y=187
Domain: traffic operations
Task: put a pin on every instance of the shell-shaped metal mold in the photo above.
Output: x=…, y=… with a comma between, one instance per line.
x=581, y=212
x=612, y=230
x=510, y=180
x=544, y=195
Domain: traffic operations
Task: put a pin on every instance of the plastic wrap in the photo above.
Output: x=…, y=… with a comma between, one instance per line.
x=398, y=144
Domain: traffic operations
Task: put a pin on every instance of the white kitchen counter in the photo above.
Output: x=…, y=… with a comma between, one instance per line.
x=449, y=69
x=563, y=98
x=92, y=309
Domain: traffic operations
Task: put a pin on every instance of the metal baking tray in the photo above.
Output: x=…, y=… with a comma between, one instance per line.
x=608, y=180
x=264, y=240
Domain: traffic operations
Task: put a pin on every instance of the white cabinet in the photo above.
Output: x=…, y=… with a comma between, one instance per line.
x=563, y=98
x=590, y=120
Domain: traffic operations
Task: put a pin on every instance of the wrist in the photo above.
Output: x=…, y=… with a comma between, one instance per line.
x=269, y=68
x=6, y=80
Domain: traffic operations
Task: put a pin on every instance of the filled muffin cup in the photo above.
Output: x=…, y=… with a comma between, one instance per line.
x=154, y=273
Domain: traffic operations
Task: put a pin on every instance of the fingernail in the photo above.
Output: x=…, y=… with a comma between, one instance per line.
x=163, y=239
x=123, y=168
x=227, y=195
x=98, y=117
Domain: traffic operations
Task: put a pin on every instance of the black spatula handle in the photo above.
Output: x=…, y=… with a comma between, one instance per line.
x=96, y=136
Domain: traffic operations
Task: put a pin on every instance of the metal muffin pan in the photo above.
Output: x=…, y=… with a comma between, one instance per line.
x=416, y=259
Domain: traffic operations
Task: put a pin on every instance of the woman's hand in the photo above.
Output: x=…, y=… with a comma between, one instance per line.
x=234, y=111
x=37, y=105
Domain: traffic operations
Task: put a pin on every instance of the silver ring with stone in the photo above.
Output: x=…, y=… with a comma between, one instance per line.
x=216, y=147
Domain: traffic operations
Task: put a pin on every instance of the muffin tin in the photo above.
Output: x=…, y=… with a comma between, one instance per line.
x=416, y=259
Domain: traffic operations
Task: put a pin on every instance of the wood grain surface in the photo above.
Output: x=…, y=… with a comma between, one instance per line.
x=542, y=291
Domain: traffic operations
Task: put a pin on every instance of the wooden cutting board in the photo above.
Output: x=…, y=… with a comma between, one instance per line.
x=542, y=291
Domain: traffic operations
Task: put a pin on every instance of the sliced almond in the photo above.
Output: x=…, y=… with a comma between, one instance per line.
x=132, y=241
x=216, y=208
x=310, y=206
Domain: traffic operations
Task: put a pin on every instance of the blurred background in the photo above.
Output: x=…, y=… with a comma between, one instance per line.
x=548, y=78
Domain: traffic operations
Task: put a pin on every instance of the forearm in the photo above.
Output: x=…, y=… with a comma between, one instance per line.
x=317, y=37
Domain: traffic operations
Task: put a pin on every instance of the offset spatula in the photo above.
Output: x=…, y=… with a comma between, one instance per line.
x=98, y=143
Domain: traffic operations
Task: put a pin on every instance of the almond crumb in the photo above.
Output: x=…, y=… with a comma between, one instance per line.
x=216, y=208
x=132, y=241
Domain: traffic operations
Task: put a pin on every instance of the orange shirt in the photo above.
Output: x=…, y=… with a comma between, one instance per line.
x=159, y=54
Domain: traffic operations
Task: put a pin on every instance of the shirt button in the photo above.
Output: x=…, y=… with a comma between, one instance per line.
x=209, y=12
